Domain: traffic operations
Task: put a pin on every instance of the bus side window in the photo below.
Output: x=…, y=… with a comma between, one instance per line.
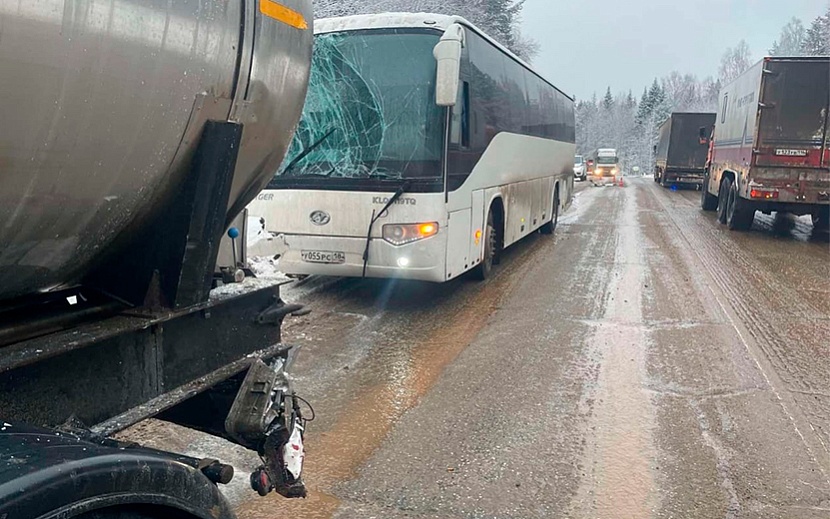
x=465, y=115
x=460, y=125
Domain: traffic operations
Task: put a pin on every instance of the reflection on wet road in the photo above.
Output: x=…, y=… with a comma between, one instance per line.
x=643, y=362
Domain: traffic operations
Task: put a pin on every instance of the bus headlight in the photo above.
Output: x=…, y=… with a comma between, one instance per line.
x=403, y=234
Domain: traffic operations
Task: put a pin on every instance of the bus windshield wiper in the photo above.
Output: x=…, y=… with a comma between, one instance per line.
x=385, y=174
x=305, y=153
x=375, y=215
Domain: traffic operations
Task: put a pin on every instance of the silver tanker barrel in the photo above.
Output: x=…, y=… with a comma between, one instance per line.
x=103, y=107
x=133, y=132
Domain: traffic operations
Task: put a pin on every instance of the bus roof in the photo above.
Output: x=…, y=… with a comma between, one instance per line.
x=414, y=20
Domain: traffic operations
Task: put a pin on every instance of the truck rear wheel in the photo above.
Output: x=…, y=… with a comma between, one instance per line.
x=123, y=513
x=708, y=202
x=739, y=214
x=723, y=198
x=663, y=181
x=821, y=219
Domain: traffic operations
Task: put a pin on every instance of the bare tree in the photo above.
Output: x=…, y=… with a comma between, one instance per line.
x=791, y=40
x=734, y=62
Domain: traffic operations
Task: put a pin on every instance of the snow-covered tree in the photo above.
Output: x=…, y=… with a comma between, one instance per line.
x=734, y=62
x=608, y=100
x=791, y=40
x=817, y=38
x=500, y=19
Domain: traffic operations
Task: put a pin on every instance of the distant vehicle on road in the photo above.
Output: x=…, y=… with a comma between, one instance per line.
x=770, y=151
x=682, y=149
x=606, y=171
x=580, y=169
x=403, y=169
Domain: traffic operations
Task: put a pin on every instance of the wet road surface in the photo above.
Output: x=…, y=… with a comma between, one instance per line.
x=642, y=362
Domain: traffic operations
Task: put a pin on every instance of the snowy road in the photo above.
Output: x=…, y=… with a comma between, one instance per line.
x=643, y=362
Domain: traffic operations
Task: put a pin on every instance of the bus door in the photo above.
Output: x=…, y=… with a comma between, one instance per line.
x=458, y=242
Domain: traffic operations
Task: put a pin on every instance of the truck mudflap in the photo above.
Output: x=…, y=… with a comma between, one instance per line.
x=45, y=473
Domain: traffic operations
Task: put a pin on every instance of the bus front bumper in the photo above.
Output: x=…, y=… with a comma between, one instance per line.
x=423, y=260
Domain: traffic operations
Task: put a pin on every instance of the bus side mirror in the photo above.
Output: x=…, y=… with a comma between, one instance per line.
x=448, y=55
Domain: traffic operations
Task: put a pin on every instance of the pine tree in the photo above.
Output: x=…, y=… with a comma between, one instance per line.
x=817, y=39
x=608, y=100
x=630, y=102
x=646, y=104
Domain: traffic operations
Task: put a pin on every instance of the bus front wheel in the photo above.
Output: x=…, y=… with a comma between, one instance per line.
x=483, y=269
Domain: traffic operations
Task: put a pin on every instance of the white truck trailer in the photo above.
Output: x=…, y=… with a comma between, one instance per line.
x=770, y=149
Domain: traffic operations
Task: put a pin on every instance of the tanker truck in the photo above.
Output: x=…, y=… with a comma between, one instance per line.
x=134, y=134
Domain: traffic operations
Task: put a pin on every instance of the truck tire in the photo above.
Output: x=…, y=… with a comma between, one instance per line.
x=708, y=202
x=117, y=513
x=739, y=214
x=821, y=219
x=483, y=270
x=663, y=181
x=550, y=227
x=723, y=198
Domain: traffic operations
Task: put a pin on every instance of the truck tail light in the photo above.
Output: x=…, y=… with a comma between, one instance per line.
x=764, y=194
x=408, y=233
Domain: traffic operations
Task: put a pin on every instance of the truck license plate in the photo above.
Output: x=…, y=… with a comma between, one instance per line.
x=321, y=256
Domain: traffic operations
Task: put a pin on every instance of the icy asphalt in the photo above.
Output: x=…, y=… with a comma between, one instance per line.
x=643, y=362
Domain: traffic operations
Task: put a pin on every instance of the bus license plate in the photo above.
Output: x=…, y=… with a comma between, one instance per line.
x=321, y=256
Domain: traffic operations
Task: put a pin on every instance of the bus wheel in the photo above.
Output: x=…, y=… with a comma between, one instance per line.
x=483, y=269
x=550, y=227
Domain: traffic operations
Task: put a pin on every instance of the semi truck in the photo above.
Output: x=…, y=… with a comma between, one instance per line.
x=770, y=149
x=606, y=169
x=682, y=148
x=134, y=134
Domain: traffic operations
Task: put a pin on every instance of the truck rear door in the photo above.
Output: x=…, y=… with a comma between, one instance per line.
x=792, y=130
x=790, y=151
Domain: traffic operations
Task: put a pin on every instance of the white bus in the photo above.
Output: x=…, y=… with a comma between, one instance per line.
x=425, y=148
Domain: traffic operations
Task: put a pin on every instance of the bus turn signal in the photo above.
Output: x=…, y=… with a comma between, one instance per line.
x=408, y=233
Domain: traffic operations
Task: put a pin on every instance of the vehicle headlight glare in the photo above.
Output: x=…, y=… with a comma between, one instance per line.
x=401, y=234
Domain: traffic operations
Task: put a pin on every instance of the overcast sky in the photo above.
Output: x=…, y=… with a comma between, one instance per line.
x=588, y=45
